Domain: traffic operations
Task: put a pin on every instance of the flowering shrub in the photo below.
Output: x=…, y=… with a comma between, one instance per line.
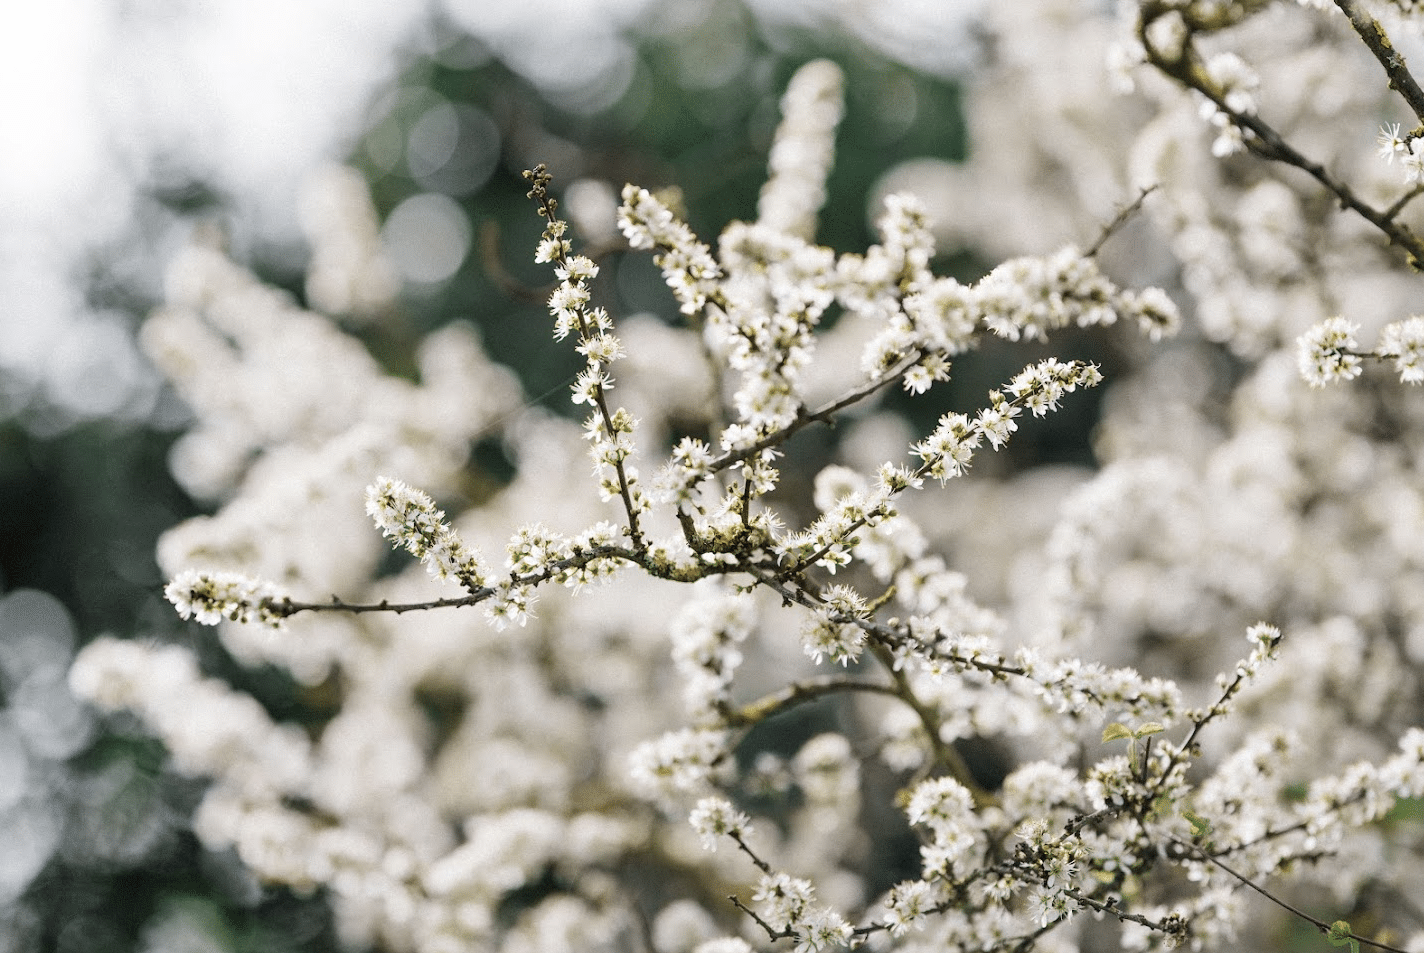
x=587, y=765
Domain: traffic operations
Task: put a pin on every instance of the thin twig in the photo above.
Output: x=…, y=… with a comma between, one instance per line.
x=1265, y=141
x=1119, y=220
x=1320, y=925
x=798, y=693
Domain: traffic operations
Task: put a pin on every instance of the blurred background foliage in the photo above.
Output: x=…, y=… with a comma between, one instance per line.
x=96, y=856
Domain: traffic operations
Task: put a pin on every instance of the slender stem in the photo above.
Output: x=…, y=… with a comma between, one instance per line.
x=1119, y=220
x=798, y=693
x=823, y=414
x=539, y=178
x=1400, y=79
x=289, y=607
x=1320, y=925
x=1266, y=142
x=945, y=753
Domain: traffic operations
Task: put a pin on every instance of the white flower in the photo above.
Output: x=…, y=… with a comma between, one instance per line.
x=1324, y=353
x=907, y=905
x=803, y=149
x=211, y=597
x=715, y=817
x=409, y=518
x=941, y=804
x=1404, y=341
x=1391, y=144
x=822, y=929
x=784, y=899
x=677, y=761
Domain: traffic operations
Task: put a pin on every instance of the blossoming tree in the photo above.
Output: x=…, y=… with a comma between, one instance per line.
x=1152, y=705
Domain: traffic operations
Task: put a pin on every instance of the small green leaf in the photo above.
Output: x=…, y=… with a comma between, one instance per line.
x=1340, y=935
x=1200, y=825
x=1116, y=731
x=1150, y=728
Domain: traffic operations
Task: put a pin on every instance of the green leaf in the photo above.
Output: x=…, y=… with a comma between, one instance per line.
x=1115, y=731
x=1340, y=935
x=1150, y=728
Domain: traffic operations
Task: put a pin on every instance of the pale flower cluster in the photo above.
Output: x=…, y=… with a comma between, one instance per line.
x=210, y=598
x=1044, y=664
x=409, y=518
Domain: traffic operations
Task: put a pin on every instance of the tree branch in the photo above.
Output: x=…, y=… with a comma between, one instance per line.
x=1400, y=79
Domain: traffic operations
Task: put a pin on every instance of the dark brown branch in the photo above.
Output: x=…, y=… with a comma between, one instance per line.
x=823, y=414
x=946, y=754
x=1400, y=79
x=288, y=607
x=1266, y=142
x=1399, y=203
x=771, y=932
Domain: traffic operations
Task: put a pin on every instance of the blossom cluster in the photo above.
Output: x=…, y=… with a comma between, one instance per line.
x=212, y=597
x=409, y=518
x=1329, y=353
x=1013, y=656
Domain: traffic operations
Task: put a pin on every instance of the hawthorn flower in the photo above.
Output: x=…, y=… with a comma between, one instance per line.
x=568, y=297
x=1236, y=80
x=510, y=604
x=1391, y=144
x=840, y=642
x=929, y=369
x=409, y=518
x=576, y=269
x=907, y=906
x=1413, y=161
x=688, y=266
x=1325, y=353
x=941, y=804
x=1050, y=905
x=589, y=385
x=948, y=450
x=945, y=315
x=553, y=246
x=784, y=899
x=822, y=929
x=997, y=421
x=1404, y=341
x=715, y=817
x=211, y=597
x=1042, y=385
x=707, y=636
x=803, y=150
x=602, y=348
x=677, y=761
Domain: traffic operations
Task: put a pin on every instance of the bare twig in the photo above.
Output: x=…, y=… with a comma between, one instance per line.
x=1320, y=925
x=1119, y=220
x=798, y=693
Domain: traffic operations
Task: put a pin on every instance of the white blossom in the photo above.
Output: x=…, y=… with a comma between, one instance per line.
x=212, y=597
x=1324, y=353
